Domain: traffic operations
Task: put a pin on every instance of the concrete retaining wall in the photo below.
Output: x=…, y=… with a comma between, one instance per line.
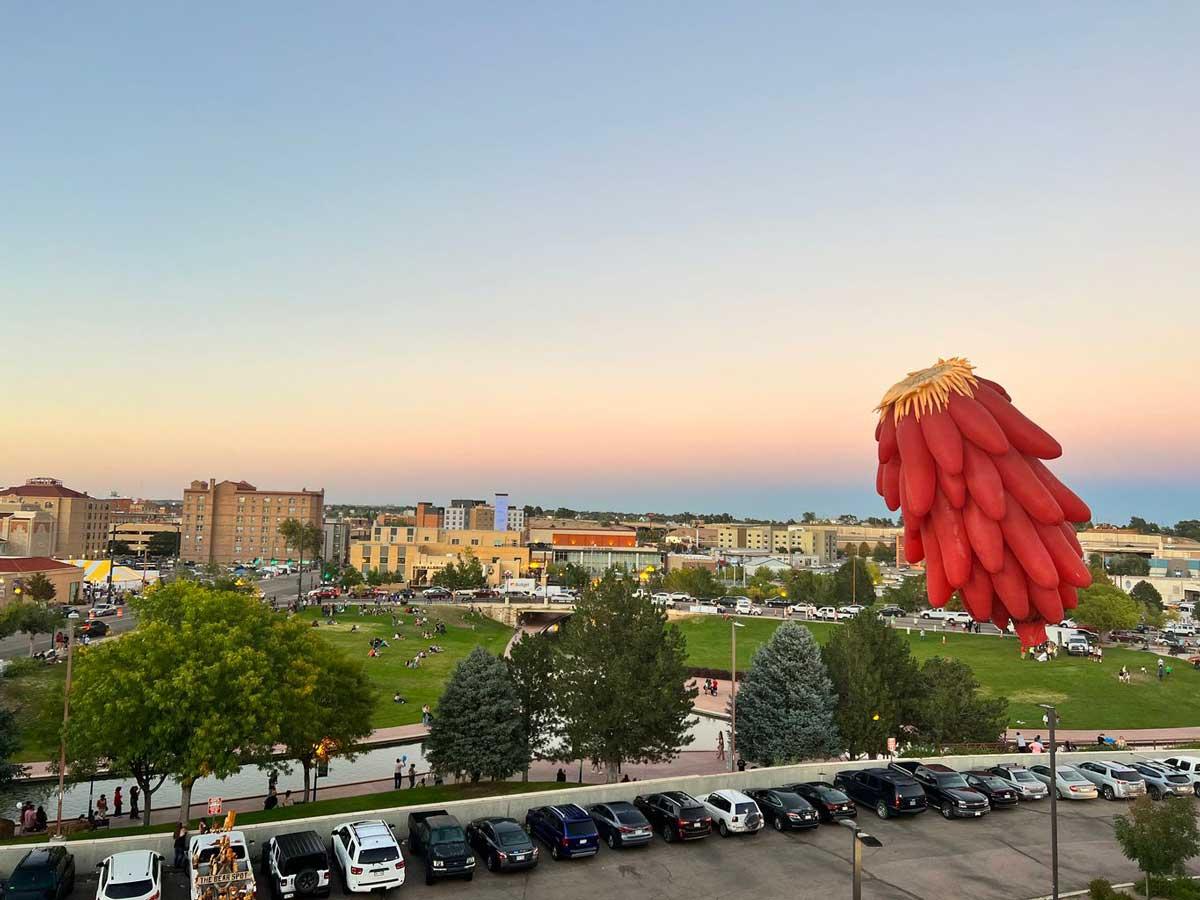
x=89, y=853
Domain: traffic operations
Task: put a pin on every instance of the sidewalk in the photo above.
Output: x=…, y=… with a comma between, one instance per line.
x=1131, y=735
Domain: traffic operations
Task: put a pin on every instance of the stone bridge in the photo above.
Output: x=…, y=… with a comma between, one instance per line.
x=528, y=615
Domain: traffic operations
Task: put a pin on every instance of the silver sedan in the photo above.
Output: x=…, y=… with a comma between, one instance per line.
x=1070, y=784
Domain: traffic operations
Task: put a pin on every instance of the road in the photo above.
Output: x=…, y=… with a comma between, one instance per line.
x=1003, y=856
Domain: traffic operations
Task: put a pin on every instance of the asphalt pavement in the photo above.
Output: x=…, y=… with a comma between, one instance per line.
x=1002, y=856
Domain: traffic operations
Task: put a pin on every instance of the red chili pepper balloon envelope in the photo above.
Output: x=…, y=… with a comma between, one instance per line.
x=965, y=467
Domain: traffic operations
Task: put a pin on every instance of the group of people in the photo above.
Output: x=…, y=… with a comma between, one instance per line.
x=118, y=805
x=31, y=819
x=401, y=772
x=709, y=688
x=1038, y=746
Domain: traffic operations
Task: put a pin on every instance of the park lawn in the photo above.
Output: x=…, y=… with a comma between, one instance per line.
x=1088, y=696
x=387, y=672
x=35, y=699
x=421, y=796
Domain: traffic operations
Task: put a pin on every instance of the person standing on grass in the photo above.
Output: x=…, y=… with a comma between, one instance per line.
x=398, y=775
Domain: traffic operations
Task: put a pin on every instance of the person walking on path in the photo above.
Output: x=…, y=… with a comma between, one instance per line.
x=720, y=745
x=412, y=775
x=426, y=715
x=102, y=808
x=134, y=793
x=118, y=802
x=398, y=775
x=181, y=842
x=1021, y=747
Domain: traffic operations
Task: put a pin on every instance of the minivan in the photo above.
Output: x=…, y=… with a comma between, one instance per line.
x=567, y=829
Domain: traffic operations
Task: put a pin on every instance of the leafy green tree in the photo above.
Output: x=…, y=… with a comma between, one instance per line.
x=31, y=619
x=1097, y=568
x=803, y=586
x=302, y=537
x=476, y=727
x=808, y=517
x=569, y=575
x=909, y=594
x=350, y=577
x=466, y=574
x=378, y=576
x=864, y=550
x=786, y=706
x=1159, y=836
x=533, y=666
x=952, y=710
x=877, y=682
x=1147, y=594
x=163, y=543
x=119, y=548
x=1106, y=608
x=855, y=583
x=1141, y=526
x=699, y=583
x=1128, y=564
x=883, y=553
x=39, y=588
x=1188, y=528
x=624, y=692
x=10, y=744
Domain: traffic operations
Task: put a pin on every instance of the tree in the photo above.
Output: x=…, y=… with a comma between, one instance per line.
x=378, y=576
x=855, y=583
x=31, y=619
x=533, y=668
x=864, y=550
x=624, y=692
x=1128, y=564
x=328, y=697
x=39, y=588
x=883, y=553
x=1147, y=594
x=350, y=577
x=1141, y=526
x=1106, y=608
x=163, y=543
x=952, y=710
x=476, y=727
x=119, y=548
x=877, y=683
x=699, y=583
x=1159, y=836
x=803, y=586
x=10, y=743
x=786, y=705
x=909, y=594
x=301, y=537
x=466, y=574
x=808, y=517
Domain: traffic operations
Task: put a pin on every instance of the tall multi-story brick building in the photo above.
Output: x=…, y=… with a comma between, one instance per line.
x=233, y=521
x=81, y=521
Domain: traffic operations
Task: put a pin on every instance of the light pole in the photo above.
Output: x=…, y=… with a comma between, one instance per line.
x=62, y=746
x=734, y=625
x=860, y=839
x=1051, y=721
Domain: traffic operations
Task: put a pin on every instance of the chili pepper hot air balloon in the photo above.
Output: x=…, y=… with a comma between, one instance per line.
x=980, y=507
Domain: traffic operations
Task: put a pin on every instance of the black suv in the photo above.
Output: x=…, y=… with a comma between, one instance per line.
x=47, y=873
x=888, y=793
x=678, y=816
x=785, y=810
x=296, y=865
x=830, y=803
x=946, y=789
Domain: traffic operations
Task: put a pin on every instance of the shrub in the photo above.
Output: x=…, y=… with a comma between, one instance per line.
x=1102, y=889
x=22, y=666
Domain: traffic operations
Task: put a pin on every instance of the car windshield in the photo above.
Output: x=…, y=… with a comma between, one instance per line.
x=512, y=837
x=31, y=879
x=206, y=855
x=1125, y=774
x=446, y=835
x=1023, y=776
x=1070, y=775
x=123, y=890
x=372, y=855
x=630, y=817
x=951, y=781
x=996, y=784
x=692, y=813
x=909, y=790
x=744, y=809
x=791, y=801
x=580, y=829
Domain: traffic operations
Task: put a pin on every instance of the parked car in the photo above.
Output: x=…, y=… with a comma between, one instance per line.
x=436, y=593
x=204, y=875
x=504, y=845
x=368, y=855
x=1021, y=780
x=676, y=815
x=295, y=864
x=734, y=812
x=621, y=824
x=94, y=628
x=486, y=594
x=1114, y=779
x=662, y=599
x=785, y=810
x=828, y=612
x=803, y=609
x=132, y=875
x=1077, y=645
x=1161, y=780
x=849, y=612
x=1069, y=785
x=1189, y=766
x=945, y=789
x=776, y=602
x=830, y=803
x=1000, y=794
x=47, y=873
x=889, y=793
x=438, y=838
x=567, y=830
x=891, y=612
x=103, y=610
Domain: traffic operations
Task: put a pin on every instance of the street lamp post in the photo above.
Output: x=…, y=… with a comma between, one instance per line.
x=734, y=625
x=1051, y=721
x=860, y=839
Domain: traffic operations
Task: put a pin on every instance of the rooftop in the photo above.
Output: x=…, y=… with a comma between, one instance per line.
x=15, y=565
x=41, y=487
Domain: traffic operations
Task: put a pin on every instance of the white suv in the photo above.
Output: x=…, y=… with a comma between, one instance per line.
x=1189, y=766
x=1114, y=779
x=368, y=855
x=734, y=812
x=132, y=875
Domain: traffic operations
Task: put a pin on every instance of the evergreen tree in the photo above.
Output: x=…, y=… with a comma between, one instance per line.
x=624, y=687
x=855, y=582
x=951, y=709
x=1147, y=594
x=533, y=667
x=876, y=680
x=10, y=743
x=786, y=705
x=477, y=725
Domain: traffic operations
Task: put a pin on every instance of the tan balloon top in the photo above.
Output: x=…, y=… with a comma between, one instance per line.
x=928, y=390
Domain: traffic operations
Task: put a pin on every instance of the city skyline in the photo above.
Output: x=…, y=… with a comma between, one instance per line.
x=603, y=258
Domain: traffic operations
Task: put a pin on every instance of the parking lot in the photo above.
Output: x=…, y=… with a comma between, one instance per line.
x=1003, y=855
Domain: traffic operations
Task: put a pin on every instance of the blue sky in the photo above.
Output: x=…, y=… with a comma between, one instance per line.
x=692, y=243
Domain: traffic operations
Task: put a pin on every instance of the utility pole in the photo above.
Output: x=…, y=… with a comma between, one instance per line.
x=1051, y=722
x=62, y=744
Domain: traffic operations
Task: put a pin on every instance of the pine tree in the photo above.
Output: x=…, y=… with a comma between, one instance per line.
x=533, y=666
x=786, y=706
x=477, y=725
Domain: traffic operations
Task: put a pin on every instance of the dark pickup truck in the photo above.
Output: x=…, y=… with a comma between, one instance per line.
x=440, y=841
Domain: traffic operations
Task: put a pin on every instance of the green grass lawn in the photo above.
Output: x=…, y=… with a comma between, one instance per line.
x=387, y=671
x=36, y=701
x=385, y=800
x=1087, y=695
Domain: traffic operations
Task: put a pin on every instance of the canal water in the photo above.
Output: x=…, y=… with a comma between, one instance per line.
x=252, y=781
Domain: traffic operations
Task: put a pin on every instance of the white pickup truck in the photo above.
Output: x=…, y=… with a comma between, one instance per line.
x=219, y=864
x=947, y=615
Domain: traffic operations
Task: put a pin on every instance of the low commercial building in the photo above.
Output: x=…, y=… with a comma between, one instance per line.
x=815, y=540
x=1174, y=589
x=16, y=571
x=1110, y=542
x=415, y=555
x=599, y=559
x=584, y=537
x=137, y=535
x=691, y=561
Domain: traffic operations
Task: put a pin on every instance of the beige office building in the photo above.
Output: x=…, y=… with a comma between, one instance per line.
x=81, y=522
x=817, y=541
x=417, y=554
x=138, y=534
x=233, y=521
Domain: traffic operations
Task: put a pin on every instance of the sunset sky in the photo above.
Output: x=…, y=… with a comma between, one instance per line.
x=644, y=256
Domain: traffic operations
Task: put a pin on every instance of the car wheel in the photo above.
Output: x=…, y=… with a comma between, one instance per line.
x=778, y=823
x=1155, y=794
x=1108, y=792
x=611, y=841
x=1196, y=788
x=307, y=882
x=881, y=810
x=668, y=834
x=947, y=811
x=490, y=861
x=428, y=877
x=470, y=875
x=721, y=827
x=1061, y=795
